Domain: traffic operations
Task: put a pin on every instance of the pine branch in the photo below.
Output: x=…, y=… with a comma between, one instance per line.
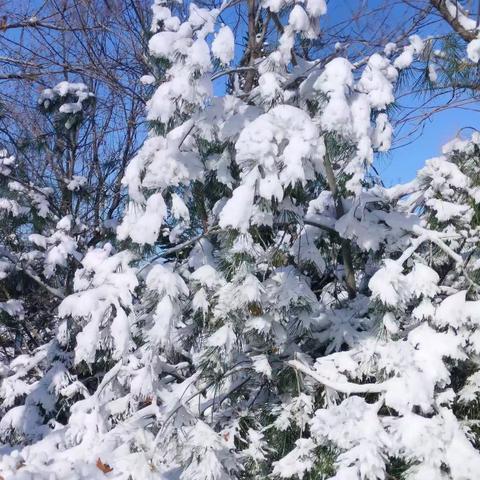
x=342, y=387
x=442, y=7
x=54, y=291
x=345, y=243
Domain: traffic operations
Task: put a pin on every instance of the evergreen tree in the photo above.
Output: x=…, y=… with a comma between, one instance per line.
x=269, y=309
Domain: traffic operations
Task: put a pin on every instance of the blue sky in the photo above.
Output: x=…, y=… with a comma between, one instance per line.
x=401, y=163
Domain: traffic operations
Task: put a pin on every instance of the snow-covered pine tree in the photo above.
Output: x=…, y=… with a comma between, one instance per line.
x=412, y=356
x=272, y=311
x=41, y=235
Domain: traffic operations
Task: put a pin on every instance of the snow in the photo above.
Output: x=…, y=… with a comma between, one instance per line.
x=432, y=73
x=382, y=138
x=390, y=48
x=11, y=207
x=262, y=140
x=417, y=43
x=238, y=210
x=296, y=463
x=447, y=210
x=207, y=276
x=147, y=79
x=376, y=82
x=162, y=43
x=223, y=45
x=76, y=182
x=316, y=8
x=270, y=87
x=223, y=337
x=405, y=59
x=457, y=12
x=336, y=78
x=410, y=51
x=298, y=19
x=179, y=209
x=354, y=428
x=6, y=162
x=390, y=323
x=473, y=50
x=14, y=308
x=388, y=283
x=261, y=365
x=275, y=5
x=63, y=91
